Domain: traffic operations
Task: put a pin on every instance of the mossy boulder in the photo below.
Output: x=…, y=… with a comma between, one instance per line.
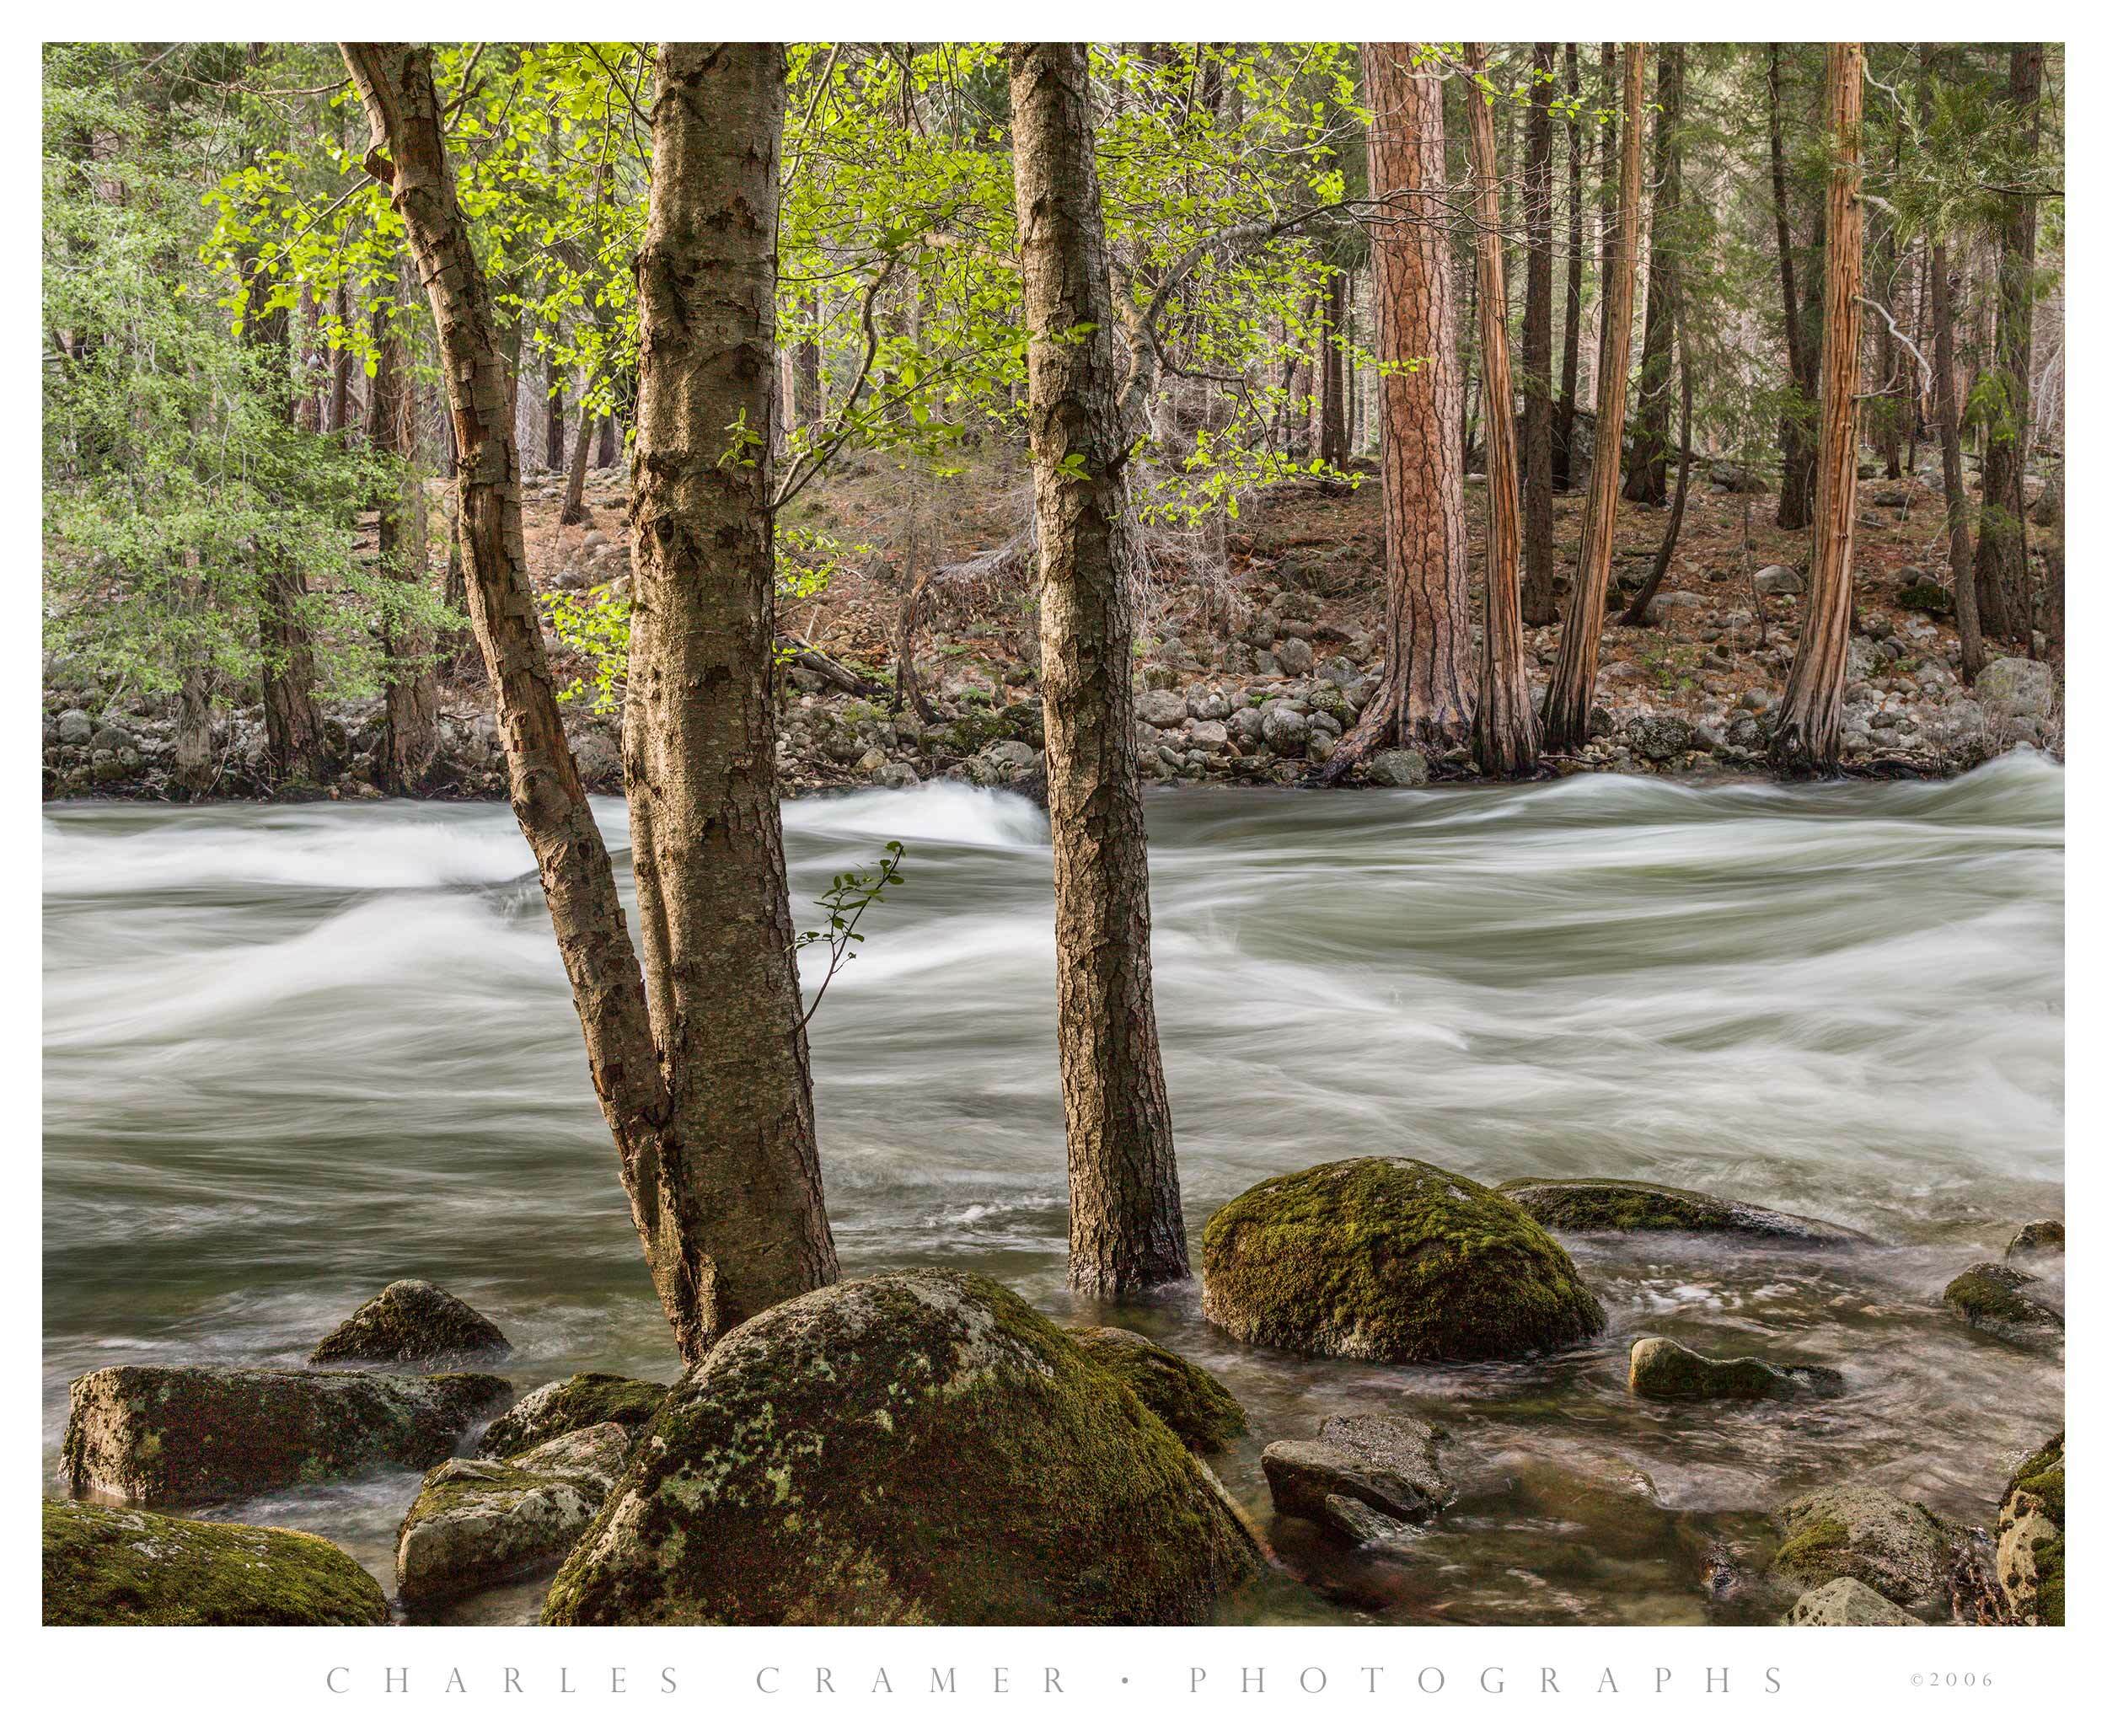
x=108, y=1566
x=178, y=1436
x=1391, y=1260
x=2030, y=1539
x=1663, y=1369
x=1992, y=1299
x=412, y=1321
x=2043, y=1237
x=916, y=1447
x=1363, y=1462
x=563, y=1407
x=1856, y=1531
x=1846, y=1603
x=1925, y=596
x=480, y=1522
x=1197, y=1407
x=1600, y=1204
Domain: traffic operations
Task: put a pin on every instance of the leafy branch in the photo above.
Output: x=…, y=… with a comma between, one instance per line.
x=844, y=901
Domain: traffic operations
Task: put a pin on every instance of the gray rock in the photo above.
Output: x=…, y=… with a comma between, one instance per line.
x=1601, y=1204
x=75, y=728
x=599, y=760
x=412, y=1321
x=2014, y=688
x=1846, y=1603
x=1988, y=1298
x=1208, y=703
x=2045, y=1235
x=1295, y=657
x=563, y=1408
x=1209, y=735
x=1163, y=710
x=1285, y=731
x=1780, y=581
x=1864, y=1533
x=1660, y=739
x=1382, y=1460
x=898, y=775
x=1661, y=1367
x=1247, y=724
x=1396, y=769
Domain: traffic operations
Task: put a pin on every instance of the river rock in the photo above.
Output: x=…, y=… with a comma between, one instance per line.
x=1285, y=731
x=1780, y=581
x=76, y=729
x=1846, y=1603
x=1296, y=658
x=479, y=1522
x=2030, y=1540
x=916, y=1447
x=178, y=1436
x=1360, y=1462
x=1661, y=1367
x=1659, y=739
x=1858, y=1531
x=1196, y=1408
x=565, y=1407
x=1987, y=1297
x=412, y=1321
x=2044, y=1236
x=1165, y=709
x=1392, y=1259
x=115, y=1567
x=1396, y=769
x=2015, y=687
x=1596, y=1203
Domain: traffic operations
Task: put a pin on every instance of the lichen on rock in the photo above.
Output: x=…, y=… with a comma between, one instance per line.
x=412, y=1321
x=1392, y=1259
x=2030, y=1539
x=1197, y=1407
x=1597, y=1204
x=1854, y=1530
x=915, y=1447
x=563, y=1407
x=1848, y=1602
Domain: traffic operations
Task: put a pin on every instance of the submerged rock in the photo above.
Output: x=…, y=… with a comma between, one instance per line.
x=479, y=1522
x=1661, y=1367
x=1600, y=1204
x=1197, y=1407
x=562, y=1407
x=174, y=1436
x=1987, y=1297
x=917, y=1447
x=1854, y=1530
x=2043, y=1236
x=1846, y=1603
x=1391, y=1260
x=1361, y=1462
x=2030, y=1540
x=412, y=1321
x=113, y=1567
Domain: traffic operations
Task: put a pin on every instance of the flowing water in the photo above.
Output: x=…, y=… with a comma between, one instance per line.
x=293, y=1054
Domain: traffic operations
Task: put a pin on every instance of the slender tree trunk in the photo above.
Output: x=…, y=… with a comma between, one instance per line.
x=1810, y=733
x=1961, y=563
x=1425, y=697
x=1331, y=446
x=2001, y=542
x=1802, y=347
x=195, y=773
x=572, y=512
x=806, y=396
x=1540, y=598
x=1647, y=481
x=411, y=735
x=1576, y=264
x=1571, y=694
x=552, y=444
x=1504, y=730
x=1126, y=1223
x=1635, y=614
x=698, y=1227
x=610, y=453
x=341, y=367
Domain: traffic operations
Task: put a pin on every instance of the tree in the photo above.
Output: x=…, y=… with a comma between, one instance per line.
x=412, y=710
x=1571, y=693
x=1810, y=733
x=1540, y=598
x=1646, y=481
x=1504, y=729
x=1576, y=262
x=1800, y=285
x=709, y=1101
x=1960, y=565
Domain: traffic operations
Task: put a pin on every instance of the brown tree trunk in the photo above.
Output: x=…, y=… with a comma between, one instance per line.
x=552, y=443
x=1504, y=729
x=711, y=1270
x=1802, y=347
x=805, y=395
x=1332, y=447
x=572, y=512
x=1126, y=1223
x=610, y=453
x=2001, y=542
x=1961, y=563
x=1571, y=694
x=1539, y=597
x=1424, y=697
x=1647, y=481
x=1634, y=614
x=1810, y=733
x=1569, y=364
x=409, y=736
x=340, y=366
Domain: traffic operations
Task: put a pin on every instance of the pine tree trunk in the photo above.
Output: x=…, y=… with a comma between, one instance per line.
x=1809, y=734
x=1647, y=482
x=2001, y=542
x=411, y=702
x=1570, y=695
x=1576, y=262
x=1803, y=347
x=1961, y=563
x=1540, y=598
x=1331, y=439
x=1126, y=1223
x=1504, y=730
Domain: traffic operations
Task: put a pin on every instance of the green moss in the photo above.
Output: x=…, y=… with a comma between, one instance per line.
x=1819, y=1551
x=2037, y=1486
x=1598, y=1204
x=917, y=1447
x=105, y=1566
x=564, y=1406
x=1199, y=1410
x=1932, y=599
x=1392, y=1259
x=1989, y=1296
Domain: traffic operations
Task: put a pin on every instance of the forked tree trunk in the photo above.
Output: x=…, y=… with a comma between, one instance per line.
x=1571, y=693
x=2001, y=542
x=1540, y=598
x=716, y=1255
x=1576, y=252
x=1810, y=733
x=1126, y=1223
x=1646, y=483
x=1504, y=729
x=410, y=735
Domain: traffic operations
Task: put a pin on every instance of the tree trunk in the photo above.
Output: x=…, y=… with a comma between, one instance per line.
x=703, y=1268
x=1504, y=730
x=1540, y=598
x=1802, y=347
x=1569, y=364
x=1635, y=614
x=341, y=367
x=1332, y=447
x=572, y=512
x=1809, y=733
x=1424, y=697
x=2001, y=542
x=552, y=444
x=410, y=733
x=610, y=453
x=1126, y=1223
x=1647, y=482
x=1961, y=563
x=1571, y=693
x=806, y=398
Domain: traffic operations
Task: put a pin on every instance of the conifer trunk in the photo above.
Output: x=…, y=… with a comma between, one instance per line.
x=1576, y=260
x=1646, y=482
x=411, y=705
x=1540, y=599
x=2001, y=542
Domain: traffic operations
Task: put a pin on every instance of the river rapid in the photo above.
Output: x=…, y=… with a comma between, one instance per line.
x=293, y=1054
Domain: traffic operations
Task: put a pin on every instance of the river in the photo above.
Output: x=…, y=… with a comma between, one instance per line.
x=293, y=1054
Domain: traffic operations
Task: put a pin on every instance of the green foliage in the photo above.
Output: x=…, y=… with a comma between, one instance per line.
x=847, y=900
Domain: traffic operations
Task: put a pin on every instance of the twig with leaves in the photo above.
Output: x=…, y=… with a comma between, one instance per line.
x=844, y=901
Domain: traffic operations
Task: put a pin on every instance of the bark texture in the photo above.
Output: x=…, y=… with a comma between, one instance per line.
x=1799, y=289
x=1961, y=563
x=1126, y=1224
x=2001, y=542
x=1646, y=481
x=1539, y=597
x=412, y=732
x=1576, y=261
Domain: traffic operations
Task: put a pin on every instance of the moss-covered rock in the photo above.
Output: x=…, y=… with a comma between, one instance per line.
x=916, y=1447
x=1846, y=1603
x=1199, y=1410
x=117, y=1567
x=2043, y=1237
x=480, y=1522
x=1856, y=1531
x=2030, y=1539
x=412, y=1321
x=1661, y=1367
x=1598, y=1204
x=177, y=1436
x=1989, y=1298
x=1932, y=599
x=1361, y=1462
x=563, y=1407
x=1392, y=1259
